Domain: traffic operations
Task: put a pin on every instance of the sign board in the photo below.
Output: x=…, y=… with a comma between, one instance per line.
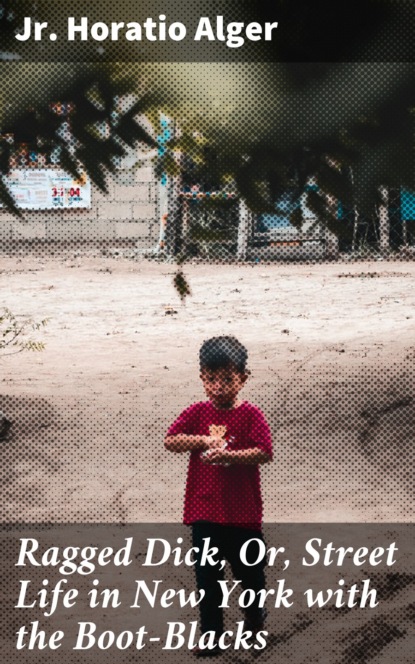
x=48, y=189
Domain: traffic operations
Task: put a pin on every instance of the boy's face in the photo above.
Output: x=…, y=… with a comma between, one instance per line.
x=222, y=386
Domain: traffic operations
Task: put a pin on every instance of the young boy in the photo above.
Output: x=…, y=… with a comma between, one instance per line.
x=228, y=440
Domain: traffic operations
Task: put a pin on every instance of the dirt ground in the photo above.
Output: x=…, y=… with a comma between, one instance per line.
x=332, y=355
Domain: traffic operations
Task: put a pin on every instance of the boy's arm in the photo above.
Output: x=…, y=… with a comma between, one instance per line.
x=182, y=442
x=253, y=456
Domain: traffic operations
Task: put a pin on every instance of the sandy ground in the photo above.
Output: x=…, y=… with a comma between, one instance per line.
x=332, y=355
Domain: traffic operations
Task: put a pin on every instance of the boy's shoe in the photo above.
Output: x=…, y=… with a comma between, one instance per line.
x=206, y=652
x=255, y=622
x=5, y=426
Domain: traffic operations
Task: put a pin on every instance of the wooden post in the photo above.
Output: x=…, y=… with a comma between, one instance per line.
x=355, y=226
x=356, y=216
x=244, y=228
x=332, y=245
x=174, y=226
x=384, y=228
x=332, y=241
x=163, y=209
x=169, y=193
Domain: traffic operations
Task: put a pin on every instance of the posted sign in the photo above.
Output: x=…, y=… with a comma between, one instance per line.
x=47, y=189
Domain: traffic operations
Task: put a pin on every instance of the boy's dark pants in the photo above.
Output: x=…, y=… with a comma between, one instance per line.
x=229, y=540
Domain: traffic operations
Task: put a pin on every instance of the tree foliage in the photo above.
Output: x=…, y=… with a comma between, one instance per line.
x=98, y=132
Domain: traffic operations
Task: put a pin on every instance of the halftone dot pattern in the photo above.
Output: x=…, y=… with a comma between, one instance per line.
x=226, y=165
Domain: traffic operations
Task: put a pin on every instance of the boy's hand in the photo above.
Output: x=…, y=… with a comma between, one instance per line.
x=216, y=455
x=188, y=443
x=214, y=442
x=252, y=456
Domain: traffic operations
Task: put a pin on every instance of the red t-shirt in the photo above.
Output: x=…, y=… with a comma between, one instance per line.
x=224, y=494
